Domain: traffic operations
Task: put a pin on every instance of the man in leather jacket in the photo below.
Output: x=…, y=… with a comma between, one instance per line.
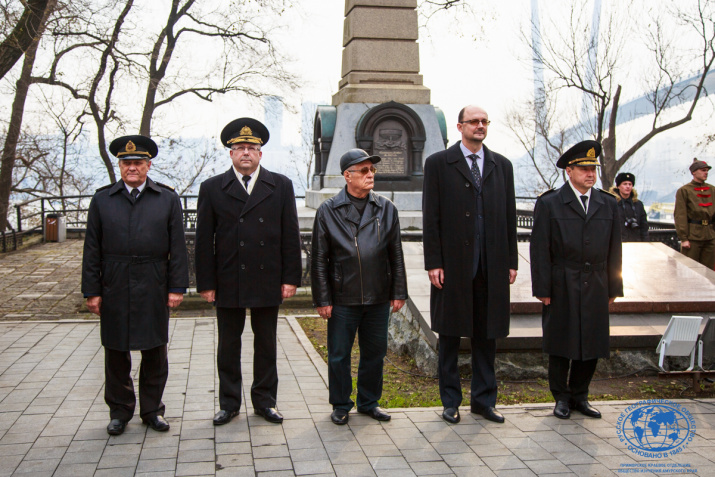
x=358, y=276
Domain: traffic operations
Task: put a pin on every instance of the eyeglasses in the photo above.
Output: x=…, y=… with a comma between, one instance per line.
x=477, y=122
x=245, y=148
x=365, y=170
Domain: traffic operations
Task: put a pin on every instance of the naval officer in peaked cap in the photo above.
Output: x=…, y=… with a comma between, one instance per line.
x=134, y=268
x=576, y=273
x=247, y=257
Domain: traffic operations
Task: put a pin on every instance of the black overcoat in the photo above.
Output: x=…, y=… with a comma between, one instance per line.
x=247, y=246
x=576, y=260
x=134, y=252
x=449, y=207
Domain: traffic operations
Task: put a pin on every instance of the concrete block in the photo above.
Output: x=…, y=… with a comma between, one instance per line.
x=380, y=23
x=394, y=56
x=408, y=200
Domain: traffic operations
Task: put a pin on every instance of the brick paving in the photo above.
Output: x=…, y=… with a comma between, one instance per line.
x=53, y=419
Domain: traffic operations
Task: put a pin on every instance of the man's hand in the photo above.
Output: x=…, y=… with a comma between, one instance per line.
x=611, y=300
x=436, y=276
x=175, y=299
x=512, y=276
x=94, y=303
x=288, y=290
x=208, y=295
x=396, y=305
x=325, y=311
x=544, y=300
x=685, y=244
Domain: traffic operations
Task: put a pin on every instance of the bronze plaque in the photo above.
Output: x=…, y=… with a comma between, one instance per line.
x=390, y=142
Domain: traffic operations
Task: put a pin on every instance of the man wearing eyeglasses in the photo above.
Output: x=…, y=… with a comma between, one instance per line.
x=247, y=256
x=469, y=230
x=357, y=277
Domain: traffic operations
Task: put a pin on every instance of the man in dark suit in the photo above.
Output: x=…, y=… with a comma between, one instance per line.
x=576, y=273
x=247, y=256
x=469, y=222
x=134, y=268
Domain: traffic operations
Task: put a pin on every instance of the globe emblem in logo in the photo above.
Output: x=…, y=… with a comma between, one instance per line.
x=656, y=428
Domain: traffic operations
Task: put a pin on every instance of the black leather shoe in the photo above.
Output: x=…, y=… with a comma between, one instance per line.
x=561, y=410
x=224, y=417
x=270, y=414
x=158, y=423
x=490, y=414
x=339, y=416
x=451, y=415
x=586, y=409
x=116, y=427
x=377, y=413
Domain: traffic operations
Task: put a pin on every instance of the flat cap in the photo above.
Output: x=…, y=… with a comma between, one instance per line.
x=356, y=156
x=134, y=147
x=244, y=130
x=582, y=154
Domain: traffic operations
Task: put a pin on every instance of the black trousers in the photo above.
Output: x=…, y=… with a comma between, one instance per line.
x=570, y=384
x=119, y=387
x=264, y=322
x=484, y=381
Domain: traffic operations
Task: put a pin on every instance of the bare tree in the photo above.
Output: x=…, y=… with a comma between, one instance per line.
x=28, y=29
x=22, y=87
x=185, y=163
x=676, y=78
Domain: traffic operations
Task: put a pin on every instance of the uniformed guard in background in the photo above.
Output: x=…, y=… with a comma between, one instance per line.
x=694, y=212
x=247, y=256
x=576, y=273
x=134, y=269
x=634, y=220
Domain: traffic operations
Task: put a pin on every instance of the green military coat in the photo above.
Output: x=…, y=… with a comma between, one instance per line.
x=694, y=202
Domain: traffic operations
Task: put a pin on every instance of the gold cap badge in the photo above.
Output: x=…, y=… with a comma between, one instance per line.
x=591, y=152
x=245, y=131
x=130, y=147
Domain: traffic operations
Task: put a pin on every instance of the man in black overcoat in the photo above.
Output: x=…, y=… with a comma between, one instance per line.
x=247, y=256
x=134, y=269
x=576, y=273
x=469, y=222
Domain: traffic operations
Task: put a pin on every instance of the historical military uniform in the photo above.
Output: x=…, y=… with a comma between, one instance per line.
x=134, y=256
x=694, y=210
x=576, y=262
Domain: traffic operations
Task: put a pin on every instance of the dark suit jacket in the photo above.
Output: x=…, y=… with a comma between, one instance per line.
x=449, y=207
x=247, y=246
x=563, y=239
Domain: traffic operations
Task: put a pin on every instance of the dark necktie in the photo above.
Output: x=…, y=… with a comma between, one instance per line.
x=584, y=200
x=246, y=180
x=135, y=193
x=475, y=171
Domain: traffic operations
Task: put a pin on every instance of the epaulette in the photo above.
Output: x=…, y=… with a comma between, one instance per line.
x=544, y=193
x=164, y=185
x=607, y=192
x=104, y=187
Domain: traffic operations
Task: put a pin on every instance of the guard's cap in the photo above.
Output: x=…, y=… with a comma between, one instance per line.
x=582, y=154
x=356, y=156
x=134, y=147
x=699, y=165
x=244, y=130
x=625, y=176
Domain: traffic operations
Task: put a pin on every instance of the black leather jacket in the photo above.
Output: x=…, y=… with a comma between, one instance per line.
x=354, y=261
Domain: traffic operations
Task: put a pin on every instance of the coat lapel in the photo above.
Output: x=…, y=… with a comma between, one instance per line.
x=456, y=159
x=595, y=202
x=489, y=164
x=568, y=197
x=264, y=187
x=232, y=187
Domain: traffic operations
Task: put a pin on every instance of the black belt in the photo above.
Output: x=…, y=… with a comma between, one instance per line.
x=132, y=259
x=584, y=267
x=699, y=222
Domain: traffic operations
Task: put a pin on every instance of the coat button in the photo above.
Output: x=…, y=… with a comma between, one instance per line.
x=261, y=267
x=243, y=267
x=466, y=242
x=466, y=184
x=588, y=242
x=241, y=220
x=260, y=219
x=241, y=243
x=262, y=243
x=585, y=283
x=467, y=214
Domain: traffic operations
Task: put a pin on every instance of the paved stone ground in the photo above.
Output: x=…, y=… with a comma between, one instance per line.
x=53, y=418
x=41, y=282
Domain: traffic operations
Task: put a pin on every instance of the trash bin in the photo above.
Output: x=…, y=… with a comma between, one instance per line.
x=55, y=228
